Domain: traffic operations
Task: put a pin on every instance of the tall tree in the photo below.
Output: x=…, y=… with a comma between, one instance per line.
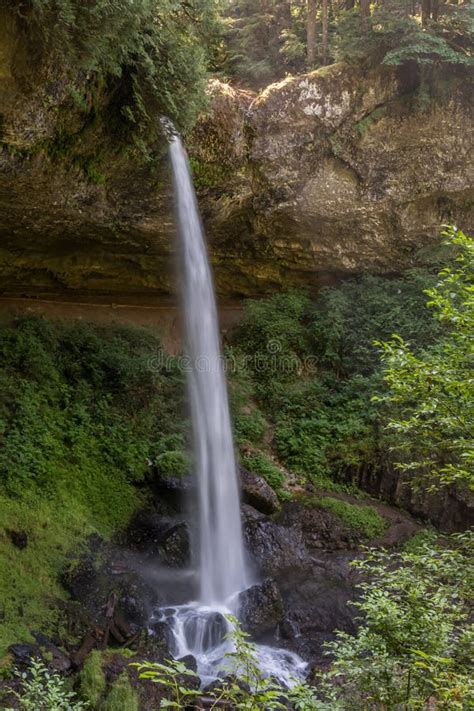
x=311, y=32
x=365, y=12
x=325, y=27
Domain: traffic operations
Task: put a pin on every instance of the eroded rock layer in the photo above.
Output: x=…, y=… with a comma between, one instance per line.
x=321, y=175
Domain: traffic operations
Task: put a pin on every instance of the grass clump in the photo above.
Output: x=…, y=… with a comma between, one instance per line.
x=260, y=464
x=92, y=683
x=363, y=519
x=122, y=696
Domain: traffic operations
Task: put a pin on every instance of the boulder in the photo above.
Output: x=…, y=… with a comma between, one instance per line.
x=175, y=547
x=261, y=608
x=276, y=550
x=257, y=493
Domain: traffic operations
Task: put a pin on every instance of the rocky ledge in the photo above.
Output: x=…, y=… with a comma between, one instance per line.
x=320, y=176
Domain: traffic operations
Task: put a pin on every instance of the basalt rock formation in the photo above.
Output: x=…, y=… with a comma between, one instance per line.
x=321, y=175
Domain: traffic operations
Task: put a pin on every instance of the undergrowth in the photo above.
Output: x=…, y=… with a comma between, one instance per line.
x=81, y=412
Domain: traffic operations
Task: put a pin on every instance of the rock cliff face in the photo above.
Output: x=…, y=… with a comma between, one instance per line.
x=321, y=175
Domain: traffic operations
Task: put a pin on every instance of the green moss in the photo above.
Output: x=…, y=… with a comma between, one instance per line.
x=207, y=175
x=262, y=465
x=363, y=519
x=92, y=683
x=367, y=122
x=122, y=696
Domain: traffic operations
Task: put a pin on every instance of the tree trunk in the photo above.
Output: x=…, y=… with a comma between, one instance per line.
x=311, y=33
x=364, y=13
x=435, y=10
x=425, y=12
x=325, y=25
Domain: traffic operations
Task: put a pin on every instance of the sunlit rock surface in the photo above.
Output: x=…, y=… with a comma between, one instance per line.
x=320, y=176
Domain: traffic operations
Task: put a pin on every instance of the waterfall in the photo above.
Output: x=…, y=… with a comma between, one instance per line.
x=221, y=549
x=201, y=627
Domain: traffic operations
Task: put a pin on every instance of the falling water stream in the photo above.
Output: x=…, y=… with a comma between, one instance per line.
x=200, y=628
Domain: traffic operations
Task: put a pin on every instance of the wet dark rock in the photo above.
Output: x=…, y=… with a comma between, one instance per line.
x=146, y=531
x=173, y=489
x=317, y=606
x=175, y=547
x=24, y=653
x=136, y=600
x=18, y=538
x=80, y=579
x=320, y=529
x=189, y=662
x=276, y=549
x=288, y=629
x=451, y=508
x=59, y=661
x=160, y=637
x=261, y=608
x=257, y=493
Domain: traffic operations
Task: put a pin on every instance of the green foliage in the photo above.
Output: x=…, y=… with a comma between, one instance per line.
x=92, y=683
x=274, y=338
x=263, y=41
x=262, y=465
x=313, y=369
x=122, y=696
x=414, y=646
x=80, y=412
x=266, y=41
x=172, y=458
x=171, y=675
x=45, y=691
x=154, y=52
x=348, y=319
x=392, y=36
x=326, y=427
x=363, y=519
x=431, y=394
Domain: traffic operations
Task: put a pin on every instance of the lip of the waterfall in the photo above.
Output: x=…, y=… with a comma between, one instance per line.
x=169, y=129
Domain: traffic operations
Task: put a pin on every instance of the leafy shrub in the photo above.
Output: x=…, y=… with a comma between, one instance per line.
x=313, y=369
x=431, y=394
x=171, y=457
x=273, y=336
x=414, y=645
x=327, y=427
x=262, y=465
x=45, y=691
x=348, y=320
x=173, y=463
x=391, y=36
x=250, y=426
x=363, y=519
